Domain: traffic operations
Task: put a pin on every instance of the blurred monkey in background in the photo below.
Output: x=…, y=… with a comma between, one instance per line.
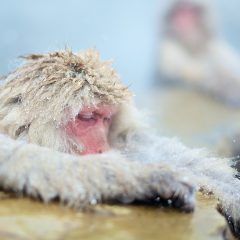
x=191, y=52
x=199, y=76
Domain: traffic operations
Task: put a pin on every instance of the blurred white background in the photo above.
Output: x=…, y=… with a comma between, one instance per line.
x=125, y=31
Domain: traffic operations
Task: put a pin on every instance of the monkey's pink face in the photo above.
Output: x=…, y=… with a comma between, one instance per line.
x=91, y=127
x=185, y=19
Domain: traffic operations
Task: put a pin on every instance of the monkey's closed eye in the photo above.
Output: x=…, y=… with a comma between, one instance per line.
x=86, y=116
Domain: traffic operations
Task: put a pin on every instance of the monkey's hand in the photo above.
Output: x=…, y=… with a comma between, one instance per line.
x=152, y=184
x=80, y=180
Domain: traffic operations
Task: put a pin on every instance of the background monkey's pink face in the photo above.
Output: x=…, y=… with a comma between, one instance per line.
x=91, y=127
x=185, y=18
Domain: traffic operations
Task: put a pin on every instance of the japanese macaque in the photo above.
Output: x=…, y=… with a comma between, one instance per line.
x=69, y=131
x=192, y=54
x=199, y=77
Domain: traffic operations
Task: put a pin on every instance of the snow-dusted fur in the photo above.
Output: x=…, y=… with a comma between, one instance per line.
x=49, y=89
x=35, y=159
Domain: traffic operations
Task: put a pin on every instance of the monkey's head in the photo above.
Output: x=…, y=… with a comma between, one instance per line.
x=188, y=21
x=69, y=102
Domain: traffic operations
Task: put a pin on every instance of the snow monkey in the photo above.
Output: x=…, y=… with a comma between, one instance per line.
x=70, y=131
x=191, y=53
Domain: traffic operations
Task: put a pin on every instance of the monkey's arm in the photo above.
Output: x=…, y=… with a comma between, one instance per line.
x=216, y=72
x=77, y=181
x=210, y=174
x=176, y=64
